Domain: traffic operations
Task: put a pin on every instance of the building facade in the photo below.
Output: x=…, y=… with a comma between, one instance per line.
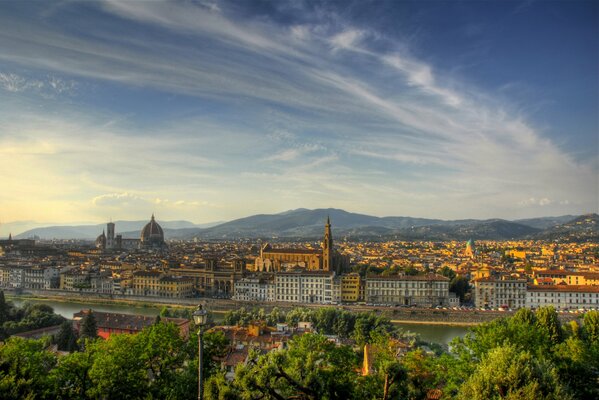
x=494, y=292
x=324, y=259
x=562, y=297
x=419, y=290
x=350, y=287
x=259, y=289
x=305, y=287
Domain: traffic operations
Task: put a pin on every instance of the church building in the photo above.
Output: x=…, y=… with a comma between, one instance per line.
x=282, y=259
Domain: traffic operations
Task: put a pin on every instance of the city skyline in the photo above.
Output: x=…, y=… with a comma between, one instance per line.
x=209, y=111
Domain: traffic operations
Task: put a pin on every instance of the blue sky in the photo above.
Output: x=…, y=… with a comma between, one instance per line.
x=212, y=110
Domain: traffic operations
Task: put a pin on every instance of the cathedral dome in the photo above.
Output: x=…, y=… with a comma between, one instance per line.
x=152, y=235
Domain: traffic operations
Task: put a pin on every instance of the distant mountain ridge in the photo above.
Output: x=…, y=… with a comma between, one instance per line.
x=129, y=229
x=305, y=223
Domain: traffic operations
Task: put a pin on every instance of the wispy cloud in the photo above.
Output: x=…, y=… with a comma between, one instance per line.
x=330, y=113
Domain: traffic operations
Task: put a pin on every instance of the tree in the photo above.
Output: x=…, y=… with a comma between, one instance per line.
x=591, y=326
x=66, y=340
x=70, y=379
x=88, y=328
x=24, y=368
x=460, y=286
x=548, y=321
x=507, y=373
x=447, y=272
x=311, y=368
x=4, y=309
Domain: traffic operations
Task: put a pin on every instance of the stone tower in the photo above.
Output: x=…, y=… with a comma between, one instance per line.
x=110, y=235
x=327, y=247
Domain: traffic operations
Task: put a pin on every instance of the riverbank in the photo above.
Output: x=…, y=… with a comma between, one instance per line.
x=399, y=315
x=429, y=323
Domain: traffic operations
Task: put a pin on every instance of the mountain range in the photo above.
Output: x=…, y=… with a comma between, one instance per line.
x=309, y=224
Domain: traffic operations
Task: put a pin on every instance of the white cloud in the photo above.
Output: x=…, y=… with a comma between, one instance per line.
x=347, y=39
x=403, y=131
x=52, y=85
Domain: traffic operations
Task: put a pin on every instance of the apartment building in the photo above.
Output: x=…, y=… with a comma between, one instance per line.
x=254, y=289
x=420, y=290
x=350, y=287
x=562, y=296
x=305, y=287
x=502, y=291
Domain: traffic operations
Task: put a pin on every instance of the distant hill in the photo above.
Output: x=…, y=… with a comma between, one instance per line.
x=309, y=224
x=129, y=229
x=584, y=228
x=545, y=222
x=303, y=223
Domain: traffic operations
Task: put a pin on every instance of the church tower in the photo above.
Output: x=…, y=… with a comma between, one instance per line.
x=110, y=235
x=327, y=247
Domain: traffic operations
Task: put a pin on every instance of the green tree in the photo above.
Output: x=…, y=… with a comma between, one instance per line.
x=507, y=373
x=4, y=309
x=590, y=323
x=66, y=340
x=548, y=321
x=88, y=328
x=311, y=368
x=24, y=368
x=70, y=379
x=460, y=286
x=447, y=272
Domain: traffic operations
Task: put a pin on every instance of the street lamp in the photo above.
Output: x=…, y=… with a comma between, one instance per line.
x=200, y=317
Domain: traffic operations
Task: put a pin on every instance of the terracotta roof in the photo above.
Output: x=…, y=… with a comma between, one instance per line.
x=428, y=277
x=292, y=251
x=564, y=288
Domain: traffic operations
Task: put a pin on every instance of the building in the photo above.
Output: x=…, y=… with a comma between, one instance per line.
x=261, y=289
x=158, y=284
x=74, y=279
x=470, y=249
x=419, y=290
x=111, y=323
x=282, y=259
x=33, y=278
x=562, y=297
x=213, y=278
x=350, y=287
x=560, y=276
x=502, y=291
x=102, y=282
x=305, y=287
x=152, y=236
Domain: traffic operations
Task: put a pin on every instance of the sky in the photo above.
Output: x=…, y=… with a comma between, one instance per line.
x=214, y=110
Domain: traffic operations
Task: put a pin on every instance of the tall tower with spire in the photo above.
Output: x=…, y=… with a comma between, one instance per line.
x=327, y=247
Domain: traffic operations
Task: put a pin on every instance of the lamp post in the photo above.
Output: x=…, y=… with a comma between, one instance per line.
x=200, y=317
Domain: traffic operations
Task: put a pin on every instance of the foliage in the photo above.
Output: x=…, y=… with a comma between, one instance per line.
x=24, y=367
x=460, y=286
x=88, y=326
x=311, y=368
x=27, y=318
x=66, y=340
x=508, y=373
x=325, y=320
x=527, y=356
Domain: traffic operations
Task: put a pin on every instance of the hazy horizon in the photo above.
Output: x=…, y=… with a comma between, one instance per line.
x=214, y=110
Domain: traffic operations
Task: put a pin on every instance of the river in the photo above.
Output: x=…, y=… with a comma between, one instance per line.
x=430, y=333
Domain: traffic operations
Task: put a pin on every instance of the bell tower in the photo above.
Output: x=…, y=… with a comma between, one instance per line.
x=327, y=247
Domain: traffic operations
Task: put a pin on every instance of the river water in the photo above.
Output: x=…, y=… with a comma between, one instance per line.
x=430, y=333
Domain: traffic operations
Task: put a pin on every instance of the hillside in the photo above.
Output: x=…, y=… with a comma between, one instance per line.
x=584, y=228
x=304, y=223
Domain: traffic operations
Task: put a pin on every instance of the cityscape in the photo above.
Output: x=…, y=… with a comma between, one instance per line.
x=297, y=199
